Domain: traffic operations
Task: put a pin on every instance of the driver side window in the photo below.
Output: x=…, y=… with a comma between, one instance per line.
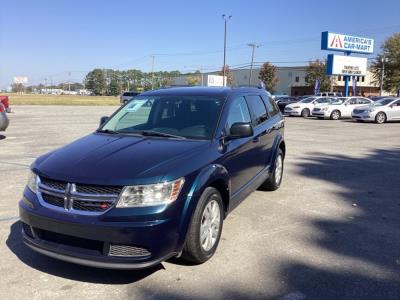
x=238, y=112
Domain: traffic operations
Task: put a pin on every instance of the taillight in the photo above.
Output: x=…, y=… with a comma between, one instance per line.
x=2, y=109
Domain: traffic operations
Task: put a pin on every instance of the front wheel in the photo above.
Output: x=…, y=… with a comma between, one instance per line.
x=273, y=182
x=305, y=113
x=335, y=115
x=380, y=118
x=205, y=228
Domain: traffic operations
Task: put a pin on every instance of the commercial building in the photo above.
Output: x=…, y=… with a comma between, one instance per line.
x=291, y=81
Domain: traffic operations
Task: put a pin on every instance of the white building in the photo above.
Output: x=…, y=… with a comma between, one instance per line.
x=291, y=81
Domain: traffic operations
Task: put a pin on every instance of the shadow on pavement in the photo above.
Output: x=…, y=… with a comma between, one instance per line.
x=2, y=137
x=68, y=270
x=371, y=237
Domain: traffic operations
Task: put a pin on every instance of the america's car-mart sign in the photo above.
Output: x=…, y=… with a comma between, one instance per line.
x=346, y=43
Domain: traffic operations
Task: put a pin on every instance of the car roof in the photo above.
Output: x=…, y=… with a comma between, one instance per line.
x=203, y=91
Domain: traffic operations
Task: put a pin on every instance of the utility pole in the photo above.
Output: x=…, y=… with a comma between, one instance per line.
x=226, y=19
x=152, y=72
x=383, y=60
x=254, y=46
x=69, y=81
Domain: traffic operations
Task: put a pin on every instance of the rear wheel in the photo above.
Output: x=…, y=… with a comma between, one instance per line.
x=305, y=113
x=205, y=228
x=335, y=115
x=380, y=118
x=273, y=182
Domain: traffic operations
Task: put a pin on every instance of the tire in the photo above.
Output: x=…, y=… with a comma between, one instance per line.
x=380, y=118
x=194, y=250
x=305, y=113
x=335, y=115
x=273, y=182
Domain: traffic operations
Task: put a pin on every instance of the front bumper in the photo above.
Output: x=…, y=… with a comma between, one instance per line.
x=87, y=240
x=320, y=114
x=365, y=116
x=292, y=112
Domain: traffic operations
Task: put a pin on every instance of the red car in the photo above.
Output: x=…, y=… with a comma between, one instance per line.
x=6, y=103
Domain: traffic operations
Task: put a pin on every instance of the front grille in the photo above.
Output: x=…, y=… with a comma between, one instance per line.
x=358, y=111
x=90, y=205
x=316, y=109
x=94, y=189
x=288, y=108
x=53, y=200
x=69, y=240
x=57, y=185
x=127, y=251
x=78, y=197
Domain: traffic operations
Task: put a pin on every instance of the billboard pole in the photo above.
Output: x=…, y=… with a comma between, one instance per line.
x=346, y=81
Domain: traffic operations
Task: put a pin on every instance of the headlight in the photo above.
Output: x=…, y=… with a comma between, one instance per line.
x=150, y=195
x=324, y=108
x=33, y=182
x=296, y=107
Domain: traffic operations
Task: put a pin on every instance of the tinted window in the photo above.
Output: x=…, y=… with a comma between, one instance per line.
x=271, y=106
x=352, y=101
x=257, y=108
x=363, y=101
x=238, y=112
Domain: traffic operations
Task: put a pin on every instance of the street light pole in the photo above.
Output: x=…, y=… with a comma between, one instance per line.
x=383, y=60
x=152, y=72
x=254, y=46
x=226, y=19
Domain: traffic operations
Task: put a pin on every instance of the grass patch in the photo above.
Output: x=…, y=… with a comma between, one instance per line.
x=32, y=99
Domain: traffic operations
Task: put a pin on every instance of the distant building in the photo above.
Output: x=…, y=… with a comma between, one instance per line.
x=291, y=81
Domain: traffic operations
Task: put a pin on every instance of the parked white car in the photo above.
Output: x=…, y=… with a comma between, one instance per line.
x=386, y=109
x=341, y=108
x=304, y=107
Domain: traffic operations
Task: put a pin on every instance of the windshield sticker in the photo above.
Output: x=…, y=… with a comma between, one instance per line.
x=135, y=105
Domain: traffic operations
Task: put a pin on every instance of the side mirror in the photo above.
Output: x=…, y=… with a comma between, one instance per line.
x=240, y=130
x=103, y=119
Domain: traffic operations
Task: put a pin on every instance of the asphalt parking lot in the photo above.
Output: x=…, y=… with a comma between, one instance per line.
x=331, y=232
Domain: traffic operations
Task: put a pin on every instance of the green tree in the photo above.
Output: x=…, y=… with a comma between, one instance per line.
x=229, y=75
x=96, y=82
x=317, y=70
x=390, y=50
x=193, y=80
x=268, y=76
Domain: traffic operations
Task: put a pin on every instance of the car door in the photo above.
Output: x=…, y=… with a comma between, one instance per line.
x=347, y=107
x=263, y=126
x=393, y=111
x=238, y=157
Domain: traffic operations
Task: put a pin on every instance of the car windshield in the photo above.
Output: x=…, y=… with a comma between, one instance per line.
x=383, y=102
x=307, y=100
x=193, y=117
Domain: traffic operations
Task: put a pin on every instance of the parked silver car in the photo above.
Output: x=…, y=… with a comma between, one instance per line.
x=381, y=111
x=127, y=96
x=3, y=118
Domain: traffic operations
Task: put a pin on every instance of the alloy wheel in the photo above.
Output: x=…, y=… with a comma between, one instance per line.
x=209, y=226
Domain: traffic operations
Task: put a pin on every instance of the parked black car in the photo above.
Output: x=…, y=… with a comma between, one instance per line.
x=282, y=102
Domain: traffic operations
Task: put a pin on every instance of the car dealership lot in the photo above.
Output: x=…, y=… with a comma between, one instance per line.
x=331, y=232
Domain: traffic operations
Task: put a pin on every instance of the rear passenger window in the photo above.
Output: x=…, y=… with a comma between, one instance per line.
x=238, y=112
x=362, y=101
x=271, y=106
x=257, y=108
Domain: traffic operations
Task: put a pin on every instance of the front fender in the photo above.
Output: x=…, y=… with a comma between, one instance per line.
x=204, y=178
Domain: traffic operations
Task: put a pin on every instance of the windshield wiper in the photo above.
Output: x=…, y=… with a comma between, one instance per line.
x=107, y=131
x=162, y=134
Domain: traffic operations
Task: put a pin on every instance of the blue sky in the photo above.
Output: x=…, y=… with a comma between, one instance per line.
x=49, y=39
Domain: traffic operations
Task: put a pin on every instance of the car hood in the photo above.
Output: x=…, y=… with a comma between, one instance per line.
x=116, y=160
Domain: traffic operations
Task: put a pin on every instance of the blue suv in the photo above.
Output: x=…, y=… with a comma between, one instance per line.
x=156, y=180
